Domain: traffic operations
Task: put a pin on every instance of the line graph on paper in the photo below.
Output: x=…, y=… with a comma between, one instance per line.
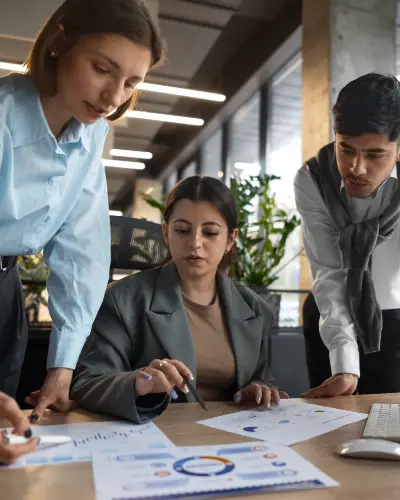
x=102, y=437
x=291, y=422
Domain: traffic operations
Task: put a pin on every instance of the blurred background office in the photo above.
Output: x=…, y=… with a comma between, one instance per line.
x=268, y=72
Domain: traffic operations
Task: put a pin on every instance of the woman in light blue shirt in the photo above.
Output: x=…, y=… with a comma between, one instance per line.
x=82, y=71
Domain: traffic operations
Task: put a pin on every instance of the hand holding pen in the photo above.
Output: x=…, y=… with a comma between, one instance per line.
x=164, y=376
x=10, y=410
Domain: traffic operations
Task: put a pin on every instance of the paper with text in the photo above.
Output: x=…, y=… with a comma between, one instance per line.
x=289, y=423
x=94, y=437
x=203, y=471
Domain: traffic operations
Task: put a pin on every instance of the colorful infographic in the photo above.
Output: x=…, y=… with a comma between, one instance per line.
x=289, y=423
x=203, y=471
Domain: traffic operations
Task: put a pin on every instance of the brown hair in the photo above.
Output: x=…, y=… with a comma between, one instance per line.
x=79, y=18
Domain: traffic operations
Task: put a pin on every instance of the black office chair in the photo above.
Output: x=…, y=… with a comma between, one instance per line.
x=317, y=355
x=136, y=244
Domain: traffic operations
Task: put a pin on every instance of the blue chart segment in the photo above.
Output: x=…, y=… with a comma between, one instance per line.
x=204, y=466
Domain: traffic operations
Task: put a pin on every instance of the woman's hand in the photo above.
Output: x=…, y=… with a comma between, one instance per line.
x=11, y=411
x=261, y=394
x=162, y=376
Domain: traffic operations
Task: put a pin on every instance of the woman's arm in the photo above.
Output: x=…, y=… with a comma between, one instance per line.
x=104, y=380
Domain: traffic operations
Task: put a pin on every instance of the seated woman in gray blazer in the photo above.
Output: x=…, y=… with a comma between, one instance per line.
x=185, y=320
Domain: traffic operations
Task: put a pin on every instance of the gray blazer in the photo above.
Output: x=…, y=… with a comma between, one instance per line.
x=142, y=318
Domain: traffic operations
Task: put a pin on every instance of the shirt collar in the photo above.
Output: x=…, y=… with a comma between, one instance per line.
x=30, y=124
x=393, y=175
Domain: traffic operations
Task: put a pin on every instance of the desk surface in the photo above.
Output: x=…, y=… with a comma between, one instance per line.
x=359, y=479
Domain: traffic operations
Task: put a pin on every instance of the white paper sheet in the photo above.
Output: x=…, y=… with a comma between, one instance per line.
x=287, y=424
x=206, y=471
x=95, y=437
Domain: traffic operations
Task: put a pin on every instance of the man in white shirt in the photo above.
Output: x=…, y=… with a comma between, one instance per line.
x=348, y=198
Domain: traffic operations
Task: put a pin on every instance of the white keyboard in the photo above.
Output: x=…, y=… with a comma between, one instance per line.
x=383, y=422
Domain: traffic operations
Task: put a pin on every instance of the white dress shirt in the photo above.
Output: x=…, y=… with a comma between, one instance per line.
x=329, y=276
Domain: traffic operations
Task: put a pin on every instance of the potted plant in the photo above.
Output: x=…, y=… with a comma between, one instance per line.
x=32, y=268
x=262, y=236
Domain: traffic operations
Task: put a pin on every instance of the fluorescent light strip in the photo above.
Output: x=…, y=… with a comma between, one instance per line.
x=128, y=153
x=133, y=165
x=195, y=94
x=151, y=87
x=184, y=120
x=12, y=67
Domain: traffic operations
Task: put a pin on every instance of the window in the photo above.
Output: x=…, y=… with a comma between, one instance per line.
x=211, y=164
x=188, y=171
x=284, y=158
x=170, y=182
x=244, y=156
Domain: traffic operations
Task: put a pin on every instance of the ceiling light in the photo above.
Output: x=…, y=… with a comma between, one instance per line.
x=195, y=94
x=133, y=165
x=184, y=120
x=115, y=212
x=12, y=67
x=128, y=153
x=151, y=87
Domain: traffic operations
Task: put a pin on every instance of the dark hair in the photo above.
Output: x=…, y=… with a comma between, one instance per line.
x=79, y=18
x=369, y=105
x=211, y=190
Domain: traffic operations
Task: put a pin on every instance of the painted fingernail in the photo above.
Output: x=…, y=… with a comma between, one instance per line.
x=33, y=418
x=268, y=405
x=258, y=400
x=278, y=402
x=191, y=376
x=147, y=376
x=28, y=433
x=174, y=395
x=237, y=398
x=185, y=389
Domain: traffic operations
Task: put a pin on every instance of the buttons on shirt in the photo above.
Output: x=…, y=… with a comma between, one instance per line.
x=50, y=180
x=29, y=251
x=47, y=219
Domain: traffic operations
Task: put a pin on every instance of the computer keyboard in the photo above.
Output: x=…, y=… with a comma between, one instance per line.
x=383, y=422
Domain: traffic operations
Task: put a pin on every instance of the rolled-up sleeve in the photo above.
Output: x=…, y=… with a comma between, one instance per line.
x=329, y=277
x=79, y=260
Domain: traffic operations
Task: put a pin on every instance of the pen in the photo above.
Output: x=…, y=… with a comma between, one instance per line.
x=196, y=395
x=44, y=440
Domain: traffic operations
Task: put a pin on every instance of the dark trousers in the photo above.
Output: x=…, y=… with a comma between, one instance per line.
x=379, y=371
x=13, y=329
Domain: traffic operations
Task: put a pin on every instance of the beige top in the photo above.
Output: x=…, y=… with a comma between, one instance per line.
x=216, y=364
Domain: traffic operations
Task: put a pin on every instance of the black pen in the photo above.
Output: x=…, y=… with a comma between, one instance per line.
x=196, y=395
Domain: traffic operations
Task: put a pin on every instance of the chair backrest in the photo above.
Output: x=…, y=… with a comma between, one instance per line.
x=136, y=244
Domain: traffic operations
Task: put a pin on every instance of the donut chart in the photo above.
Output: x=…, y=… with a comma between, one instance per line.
x=204, y=466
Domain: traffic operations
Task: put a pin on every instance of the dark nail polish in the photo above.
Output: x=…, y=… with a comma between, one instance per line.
x=28, y=433
x=33, y=418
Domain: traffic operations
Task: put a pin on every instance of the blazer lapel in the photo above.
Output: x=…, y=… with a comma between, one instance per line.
x=168, y=320
x=245, y=329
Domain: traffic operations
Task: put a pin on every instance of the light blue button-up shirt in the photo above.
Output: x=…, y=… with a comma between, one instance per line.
x=53, y=196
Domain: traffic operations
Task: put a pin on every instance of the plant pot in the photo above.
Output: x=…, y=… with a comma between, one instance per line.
x=274, y=302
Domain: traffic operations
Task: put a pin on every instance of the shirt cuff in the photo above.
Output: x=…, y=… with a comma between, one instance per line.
x=65, y=349
x=345, y=359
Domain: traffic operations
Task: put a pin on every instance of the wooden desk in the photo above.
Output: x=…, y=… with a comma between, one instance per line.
x=359, y=479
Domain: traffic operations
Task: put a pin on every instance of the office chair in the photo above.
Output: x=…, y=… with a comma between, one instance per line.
x=136, y=244
x=317, y=355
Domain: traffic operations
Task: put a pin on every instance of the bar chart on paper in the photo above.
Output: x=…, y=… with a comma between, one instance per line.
x=287, y=424
x=99, y=437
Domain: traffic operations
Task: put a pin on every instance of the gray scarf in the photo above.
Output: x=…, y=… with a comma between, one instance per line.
x=356, y=244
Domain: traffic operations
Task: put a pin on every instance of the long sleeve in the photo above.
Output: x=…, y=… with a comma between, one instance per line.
x=329, y=277
x=262, y=372
x=79, y=260
x=104, y=381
